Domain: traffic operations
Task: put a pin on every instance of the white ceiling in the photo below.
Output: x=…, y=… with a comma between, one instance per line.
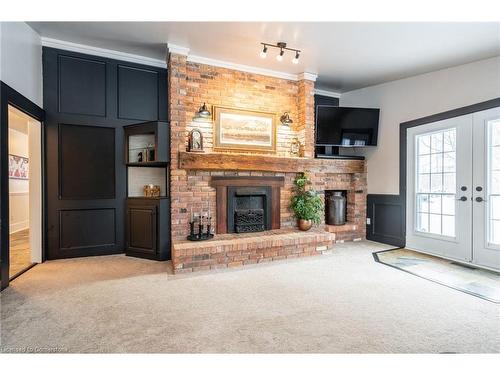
x=345, y=55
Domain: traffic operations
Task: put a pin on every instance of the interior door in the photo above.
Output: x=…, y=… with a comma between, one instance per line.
x=9, y=97
x=85, y=171
x=439, y=178
x=486, y=188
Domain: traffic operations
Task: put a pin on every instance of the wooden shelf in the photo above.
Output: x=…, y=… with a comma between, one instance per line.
x=266, y=163
x=149, y=198
x=153, y=164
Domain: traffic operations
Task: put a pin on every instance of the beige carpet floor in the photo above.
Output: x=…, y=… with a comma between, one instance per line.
x=339, y=303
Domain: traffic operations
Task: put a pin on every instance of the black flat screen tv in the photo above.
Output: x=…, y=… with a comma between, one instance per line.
x=346, y=127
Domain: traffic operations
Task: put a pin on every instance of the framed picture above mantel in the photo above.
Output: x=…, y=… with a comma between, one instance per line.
x=244, y=130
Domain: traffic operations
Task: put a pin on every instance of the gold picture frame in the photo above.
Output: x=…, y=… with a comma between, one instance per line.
x=244, y=130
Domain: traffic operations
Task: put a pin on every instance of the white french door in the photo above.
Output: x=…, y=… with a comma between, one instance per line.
x=439, y=168
x=486, y=188
x=453, y=188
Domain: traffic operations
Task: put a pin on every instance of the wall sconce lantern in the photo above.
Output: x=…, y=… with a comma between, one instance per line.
x=203, y=114
x=285, y=119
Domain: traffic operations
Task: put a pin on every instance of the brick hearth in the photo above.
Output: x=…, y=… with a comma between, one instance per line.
x=232, y=250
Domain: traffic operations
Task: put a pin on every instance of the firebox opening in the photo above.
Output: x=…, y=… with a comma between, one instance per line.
x=249, y=209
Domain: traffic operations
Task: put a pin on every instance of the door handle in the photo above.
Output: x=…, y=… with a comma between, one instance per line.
x=480, y=199
x=462, y=198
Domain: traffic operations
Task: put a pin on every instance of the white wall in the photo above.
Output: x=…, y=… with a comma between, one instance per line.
x=416, y=97
x=18, y=189
x=21, y=59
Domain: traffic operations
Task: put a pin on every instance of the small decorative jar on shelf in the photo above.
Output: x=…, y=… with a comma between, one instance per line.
x=152, y=191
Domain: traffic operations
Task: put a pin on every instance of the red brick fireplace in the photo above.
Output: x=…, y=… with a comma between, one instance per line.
x=268, y=188
x=201, y=180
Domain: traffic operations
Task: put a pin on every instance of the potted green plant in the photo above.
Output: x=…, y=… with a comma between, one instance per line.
x=307, y=205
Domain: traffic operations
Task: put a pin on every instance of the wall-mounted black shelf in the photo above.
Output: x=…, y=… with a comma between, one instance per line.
x=347, y=157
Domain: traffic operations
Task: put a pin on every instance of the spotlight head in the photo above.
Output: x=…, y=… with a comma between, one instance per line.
x=280, y=56
x=263, y=53
x=295, y=60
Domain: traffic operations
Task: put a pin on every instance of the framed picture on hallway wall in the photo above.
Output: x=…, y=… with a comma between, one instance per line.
x=244, y=130
x=18, y=167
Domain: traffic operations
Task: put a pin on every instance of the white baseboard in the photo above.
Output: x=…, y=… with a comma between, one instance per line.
x=16, y=227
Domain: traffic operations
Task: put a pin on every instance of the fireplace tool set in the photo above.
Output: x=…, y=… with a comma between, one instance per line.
x=200, y=227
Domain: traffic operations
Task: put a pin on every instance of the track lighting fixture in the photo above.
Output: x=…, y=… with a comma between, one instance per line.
x=282, y=47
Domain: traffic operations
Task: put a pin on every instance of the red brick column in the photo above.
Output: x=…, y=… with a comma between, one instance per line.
x=177, y=91
x=305, y=126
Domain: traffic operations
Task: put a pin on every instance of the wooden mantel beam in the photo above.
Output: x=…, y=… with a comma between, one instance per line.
x=266, y=163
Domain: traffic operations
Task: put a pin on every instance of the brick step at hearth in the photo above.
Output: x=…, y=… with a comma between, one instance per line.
x=231, y=250
x=347, y=227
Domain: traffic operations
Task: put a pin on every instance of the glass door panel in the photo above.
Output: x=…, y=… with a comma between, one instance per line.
x=436, y=182
x=493, y=185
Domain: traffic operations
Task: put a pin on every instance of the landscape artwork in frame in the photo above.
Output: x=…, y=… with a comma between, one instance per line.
x=244, y=130
x=18, y=167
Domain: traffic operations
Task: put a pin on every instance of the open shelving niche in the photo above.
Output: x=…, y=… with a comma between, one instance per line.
x=147, y=158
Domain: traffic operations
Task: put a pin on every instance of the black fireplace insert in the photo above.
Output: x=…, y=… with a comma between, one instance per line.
x=248, y=209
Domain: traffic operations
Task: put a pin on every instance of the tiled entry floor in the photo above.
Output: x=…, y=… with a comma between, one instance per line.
x=20, y=253
x=476, y=281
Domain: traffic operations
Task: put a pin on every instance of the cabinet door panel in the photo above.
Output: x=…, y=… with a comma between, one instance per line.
x=142, y=229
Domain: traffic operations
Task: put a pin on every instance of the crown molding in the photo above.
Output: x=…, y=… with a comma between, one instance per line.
x=172, y=48
x=102, y=52
x=179, y=50
x=331, y=94
x=307, y=76
x=242, y=68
